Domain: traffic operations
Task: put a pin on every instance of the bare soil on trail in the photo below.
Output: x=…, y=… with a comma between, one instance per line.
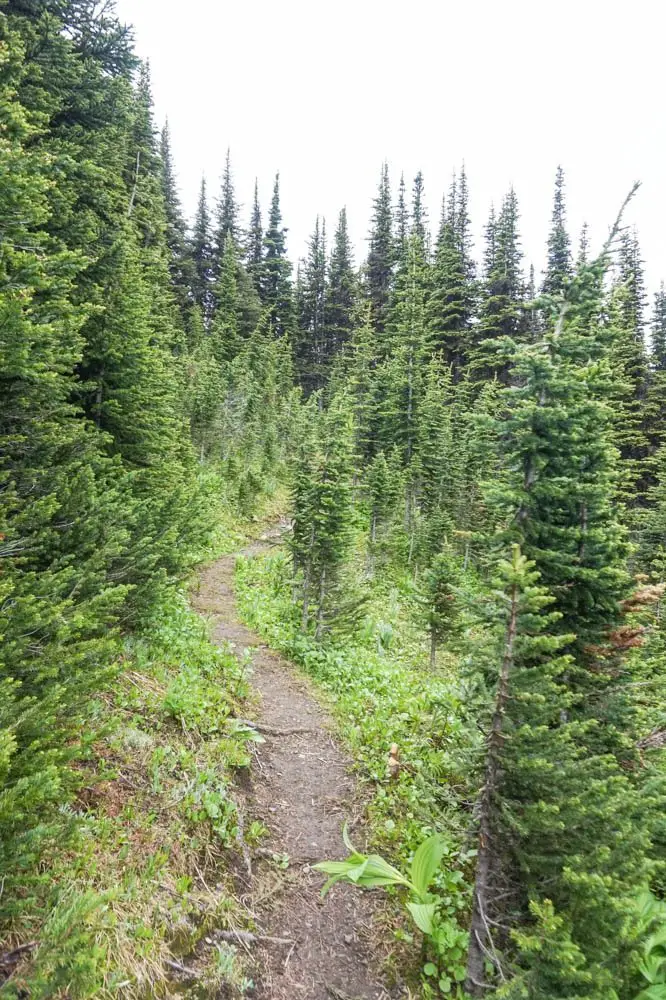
x=300, y=789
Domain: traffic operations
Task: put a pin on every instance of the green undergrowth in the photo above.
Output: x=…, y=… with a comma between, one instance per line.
x=384, y=696
x=137, y=868
x=137, y=875
x=233, y=527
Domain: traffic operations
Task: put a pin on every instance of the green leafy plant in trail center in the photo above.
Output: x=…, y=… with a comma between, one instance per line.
x=447, y=943
x=652, y=913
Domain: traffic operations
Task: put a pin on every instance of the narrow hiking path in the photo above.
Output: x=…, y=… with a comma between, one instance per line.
x=300, y=789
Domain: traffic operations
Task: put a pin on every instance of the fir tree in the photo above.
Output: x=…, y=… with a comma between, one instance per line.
x=341, y=289
x=226, y=214
x=203, y=260
x=434, y=447
x=558, y=268
x=254, y=250
x=659, y=330
x=451, y=302
x=312, y=350
x=363, y=388
x=383, y=485
x=419, y=212
x=381, y=256
x=180, y=264
x=224, y=333
x=501, y=319
x=142, y=173
x=401, y=221
x=632, y=280
x=625, y=331
x=401, y=377
x=583, y=246
x=438, y=600
x=276, y=272
x=64, y=506
x=563, y=675
x=323, y=514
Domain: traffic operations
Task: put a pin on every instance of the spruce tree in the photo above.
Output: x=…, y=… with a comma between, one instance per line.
x=659, y=329
x=562, y=691
x=655, y=392
x=420, y=212
x=434, y=449
x=64, y=506
x=226, y=222
x=401, y=221
x=203, y=258
x=180, y=263
x=142, y=171
x=451, y=302
x=558, y=267
x=625, y=331
x=363, y=387
x=438, y=599
x=381, y=255
x=311, y=348
x=323, y=514
x=409, y=344
x=224, y=332
x=276, y=270
x=583, y=245
x=254, y=248
x=384, y=487
x=632, y=279
x=341, y=290
x=501, y=319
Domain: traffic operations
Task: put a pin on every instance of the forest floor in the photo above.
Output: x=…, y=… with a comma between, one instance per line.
x=300, y=790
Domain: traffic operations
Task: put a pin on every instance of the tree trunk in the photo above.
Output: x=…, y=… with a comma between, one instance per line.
x=410, y=406
x=320, y=609
x=307, y=576
x=481, y=945
x=433, y=649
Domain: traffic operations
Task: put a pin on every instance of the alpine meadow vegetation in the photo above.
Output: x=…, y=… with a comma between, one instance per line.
x=471, y=459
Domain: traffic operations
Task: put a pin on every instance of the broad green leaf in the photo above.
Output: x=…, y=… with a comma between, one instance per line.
x=338, y=870
x=657, y=992
x=378, y=868
x=650, y=967
x=422, y=914
x=657, y=941
x=426, y=862
x=333, y=867
x=366, y=872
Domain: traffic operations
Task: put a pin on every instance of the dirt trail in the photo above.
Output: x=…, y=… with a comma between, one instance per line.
x=301, y=791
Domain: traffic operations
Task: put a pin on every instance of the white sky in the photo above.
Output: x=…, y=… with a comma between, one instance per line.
x=324, y=91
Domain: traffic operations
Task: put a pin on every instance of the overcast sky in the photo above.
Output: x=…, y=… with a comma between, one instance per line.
x=324, y=91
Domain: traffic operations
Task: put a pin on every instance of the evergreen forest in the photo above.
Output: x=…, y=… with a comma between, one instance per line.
x=465, y=460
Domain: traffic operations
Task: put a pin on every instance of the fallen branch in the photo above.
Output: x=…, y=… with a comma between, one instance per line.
x=12, y=957
x=240, y=838
x=248, y=938
x=181, y=968
x=269, y=731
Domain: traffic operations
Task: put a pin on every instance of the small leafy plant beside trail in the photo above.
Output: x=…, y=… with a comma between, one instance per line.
x=426, y=908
